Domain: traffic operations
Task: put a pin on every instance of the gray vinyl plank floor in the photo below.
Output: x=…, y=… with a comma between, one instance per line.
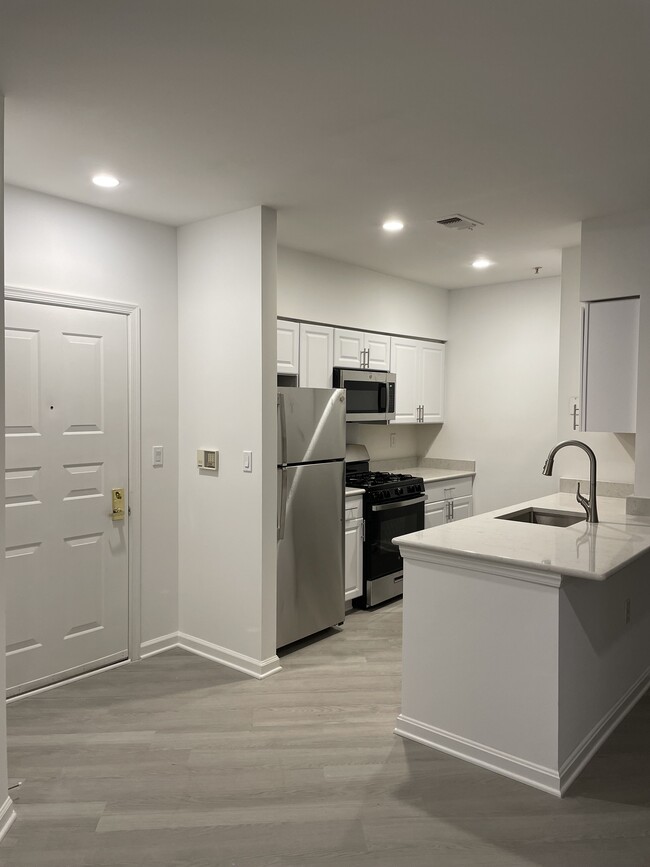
x=178, y=762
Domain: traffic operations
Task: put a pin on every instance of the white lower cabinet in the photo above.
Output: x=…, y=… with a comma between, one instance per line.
x=447, y=501
x=353, y=547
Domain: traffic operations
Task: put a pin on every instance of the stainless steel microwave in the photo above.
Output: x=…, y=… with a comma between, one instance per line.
x=369, y=394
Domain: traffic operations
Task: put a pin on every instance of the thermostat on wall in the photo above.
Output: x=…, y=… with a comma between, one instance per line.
x=207, y=459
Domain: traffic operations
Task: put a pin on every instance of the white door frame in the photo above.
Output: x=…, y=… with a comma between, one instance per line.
x=132, y=313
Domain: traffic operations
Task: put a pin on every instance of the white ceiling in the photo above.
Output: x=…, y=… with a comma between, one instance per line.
x=528, y=115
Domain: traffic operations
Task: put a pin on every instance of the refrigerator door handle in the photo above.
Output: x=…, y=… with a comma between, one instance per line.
x=282, y=515
x=282, y=419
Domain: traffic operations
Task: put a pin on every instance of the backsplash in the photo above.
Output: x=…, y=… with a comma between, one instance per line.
x=377, y=439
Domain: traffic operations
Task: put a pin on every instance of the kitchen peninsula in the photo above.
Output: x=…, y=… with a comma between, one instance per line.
x=524, y=644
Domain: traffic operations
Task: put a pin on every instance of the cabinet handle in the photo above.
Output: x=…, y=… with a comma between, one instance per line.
x=451, y=507
x=422, y=419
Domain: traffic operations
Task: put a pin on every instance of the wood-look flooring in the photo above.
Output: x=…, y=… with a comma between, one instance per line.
x=178, y=762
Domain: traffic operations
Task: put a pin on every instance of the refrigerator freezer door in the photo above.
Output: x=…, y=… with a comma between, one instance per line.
x=311, y=424
x=311, y=592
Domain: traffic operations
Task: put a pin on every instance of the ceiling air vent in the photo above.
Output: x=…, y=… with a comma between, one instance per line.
x=457, y=221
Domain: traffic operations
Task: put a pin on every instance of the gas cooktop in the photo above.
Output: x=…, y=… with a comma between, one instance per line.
x=386, y=486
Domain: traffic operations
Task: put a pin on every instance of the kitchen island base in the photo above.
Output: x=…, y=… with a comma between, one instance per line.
x=521, y=670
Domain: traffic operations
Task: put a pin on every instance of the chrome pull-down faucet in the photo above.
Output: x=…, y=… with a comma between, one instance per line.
x=589, y=505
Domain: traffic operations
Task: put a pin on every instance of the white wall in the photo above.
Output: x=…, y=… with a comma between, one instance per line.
x=227, y=352
x=614, y=264
x=3, y=590
x=502, y=375
x=317, y=289
x=614, y=452
x=61, y=246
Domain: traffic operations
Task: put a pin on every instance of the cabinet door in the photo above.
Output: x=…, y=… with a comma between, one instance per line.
x=288, y=346
x=461, y=508
x=432, y=381
x=316, y=356
x=348, y=348
x=353, y=559
x=435, y=514
x=377, y=348
x=404, y=364
x=610, y=362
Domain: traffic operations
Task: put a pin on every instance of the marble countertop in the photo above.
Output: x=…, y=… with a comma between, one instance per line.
x=432, y=474
x=594, y=551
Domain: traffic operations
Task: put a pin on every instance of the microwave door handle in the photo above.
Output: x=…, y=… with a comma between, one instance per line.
x=282, y=424
x=383, y=397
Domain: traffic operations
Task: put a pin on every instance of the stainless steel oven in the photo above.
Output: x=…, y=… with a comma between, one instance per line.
x=393, y=504
x=370, y=394
x=382, y=563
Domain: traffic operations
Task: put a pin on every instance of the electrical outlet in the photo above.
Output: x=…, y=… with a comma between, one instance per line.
x=392, y=440
x=628, y=610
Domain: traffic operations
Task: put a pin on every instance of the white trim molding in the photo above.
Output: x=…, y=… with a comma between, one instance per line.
x=247, y=664
x=132, y=313
x=582, y=754
x=546, y=779
x=7, y=816
x=154, y=646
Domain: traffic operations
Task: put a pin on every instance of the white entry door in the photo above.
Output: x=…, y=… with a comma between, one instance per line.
x=66, y=449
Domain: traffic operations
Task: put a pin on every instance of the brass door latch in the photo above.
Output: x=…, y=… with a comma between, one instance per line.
x=118, y=504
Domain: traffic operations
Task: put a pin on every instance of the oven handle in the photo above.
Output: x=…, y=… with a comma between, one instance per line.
x=402, y=504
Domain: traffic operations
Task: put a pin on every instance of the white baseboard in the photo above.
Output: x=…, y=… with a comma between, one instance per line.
x=570, y=769
x=7, y=816
x=158, y=645
x=518, y=769
x=230, y=658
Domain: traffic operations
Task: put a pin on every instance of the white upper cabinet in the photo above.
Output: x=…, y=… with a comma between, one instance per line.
x=404, y=364
x=288, y=347
x=419, y=366
x=316, y=355
x=432, y=383
x=360, y=349
x=348, y=348
x=610, y=361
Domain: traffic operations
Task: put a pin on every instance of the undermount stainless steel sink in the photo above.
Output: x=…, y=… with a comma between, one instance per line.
x=548, y=517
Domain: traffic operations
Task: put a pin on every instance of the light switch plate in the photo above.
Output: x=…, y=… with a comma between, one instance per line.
x=248, y=462
x=157, y=456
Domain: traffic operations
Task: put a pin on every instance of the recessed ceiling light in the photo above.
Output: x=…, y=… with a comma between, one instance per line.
x=105, y=181
x=393, y=226
x=481, y=262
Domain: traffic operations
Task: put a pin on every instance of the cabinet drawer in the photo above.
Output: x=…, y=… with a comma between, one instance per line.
x=449, y=489
x=353, y=509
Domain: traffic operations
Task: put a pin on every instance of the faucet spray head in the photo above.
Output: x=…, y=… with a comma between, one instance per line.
x=548, y=467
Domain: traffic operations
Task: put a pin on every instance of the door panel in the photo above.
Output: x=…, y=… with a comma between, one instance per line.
x=348, y=346
x=404, y=364
x=310, y=556
x=378, y=346
x=67, y=447
x=433, y=381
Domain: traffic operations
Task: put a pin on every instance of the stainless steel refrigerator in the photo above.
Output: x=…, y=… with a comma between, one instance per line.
x=311, y=493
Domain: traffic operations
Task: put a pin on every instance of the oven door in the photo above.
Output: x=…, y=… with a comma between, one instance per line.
x=385, y=521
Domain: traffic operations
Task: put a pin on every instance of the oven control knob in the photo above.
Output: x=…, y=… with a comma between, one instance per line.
x=399, y=491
